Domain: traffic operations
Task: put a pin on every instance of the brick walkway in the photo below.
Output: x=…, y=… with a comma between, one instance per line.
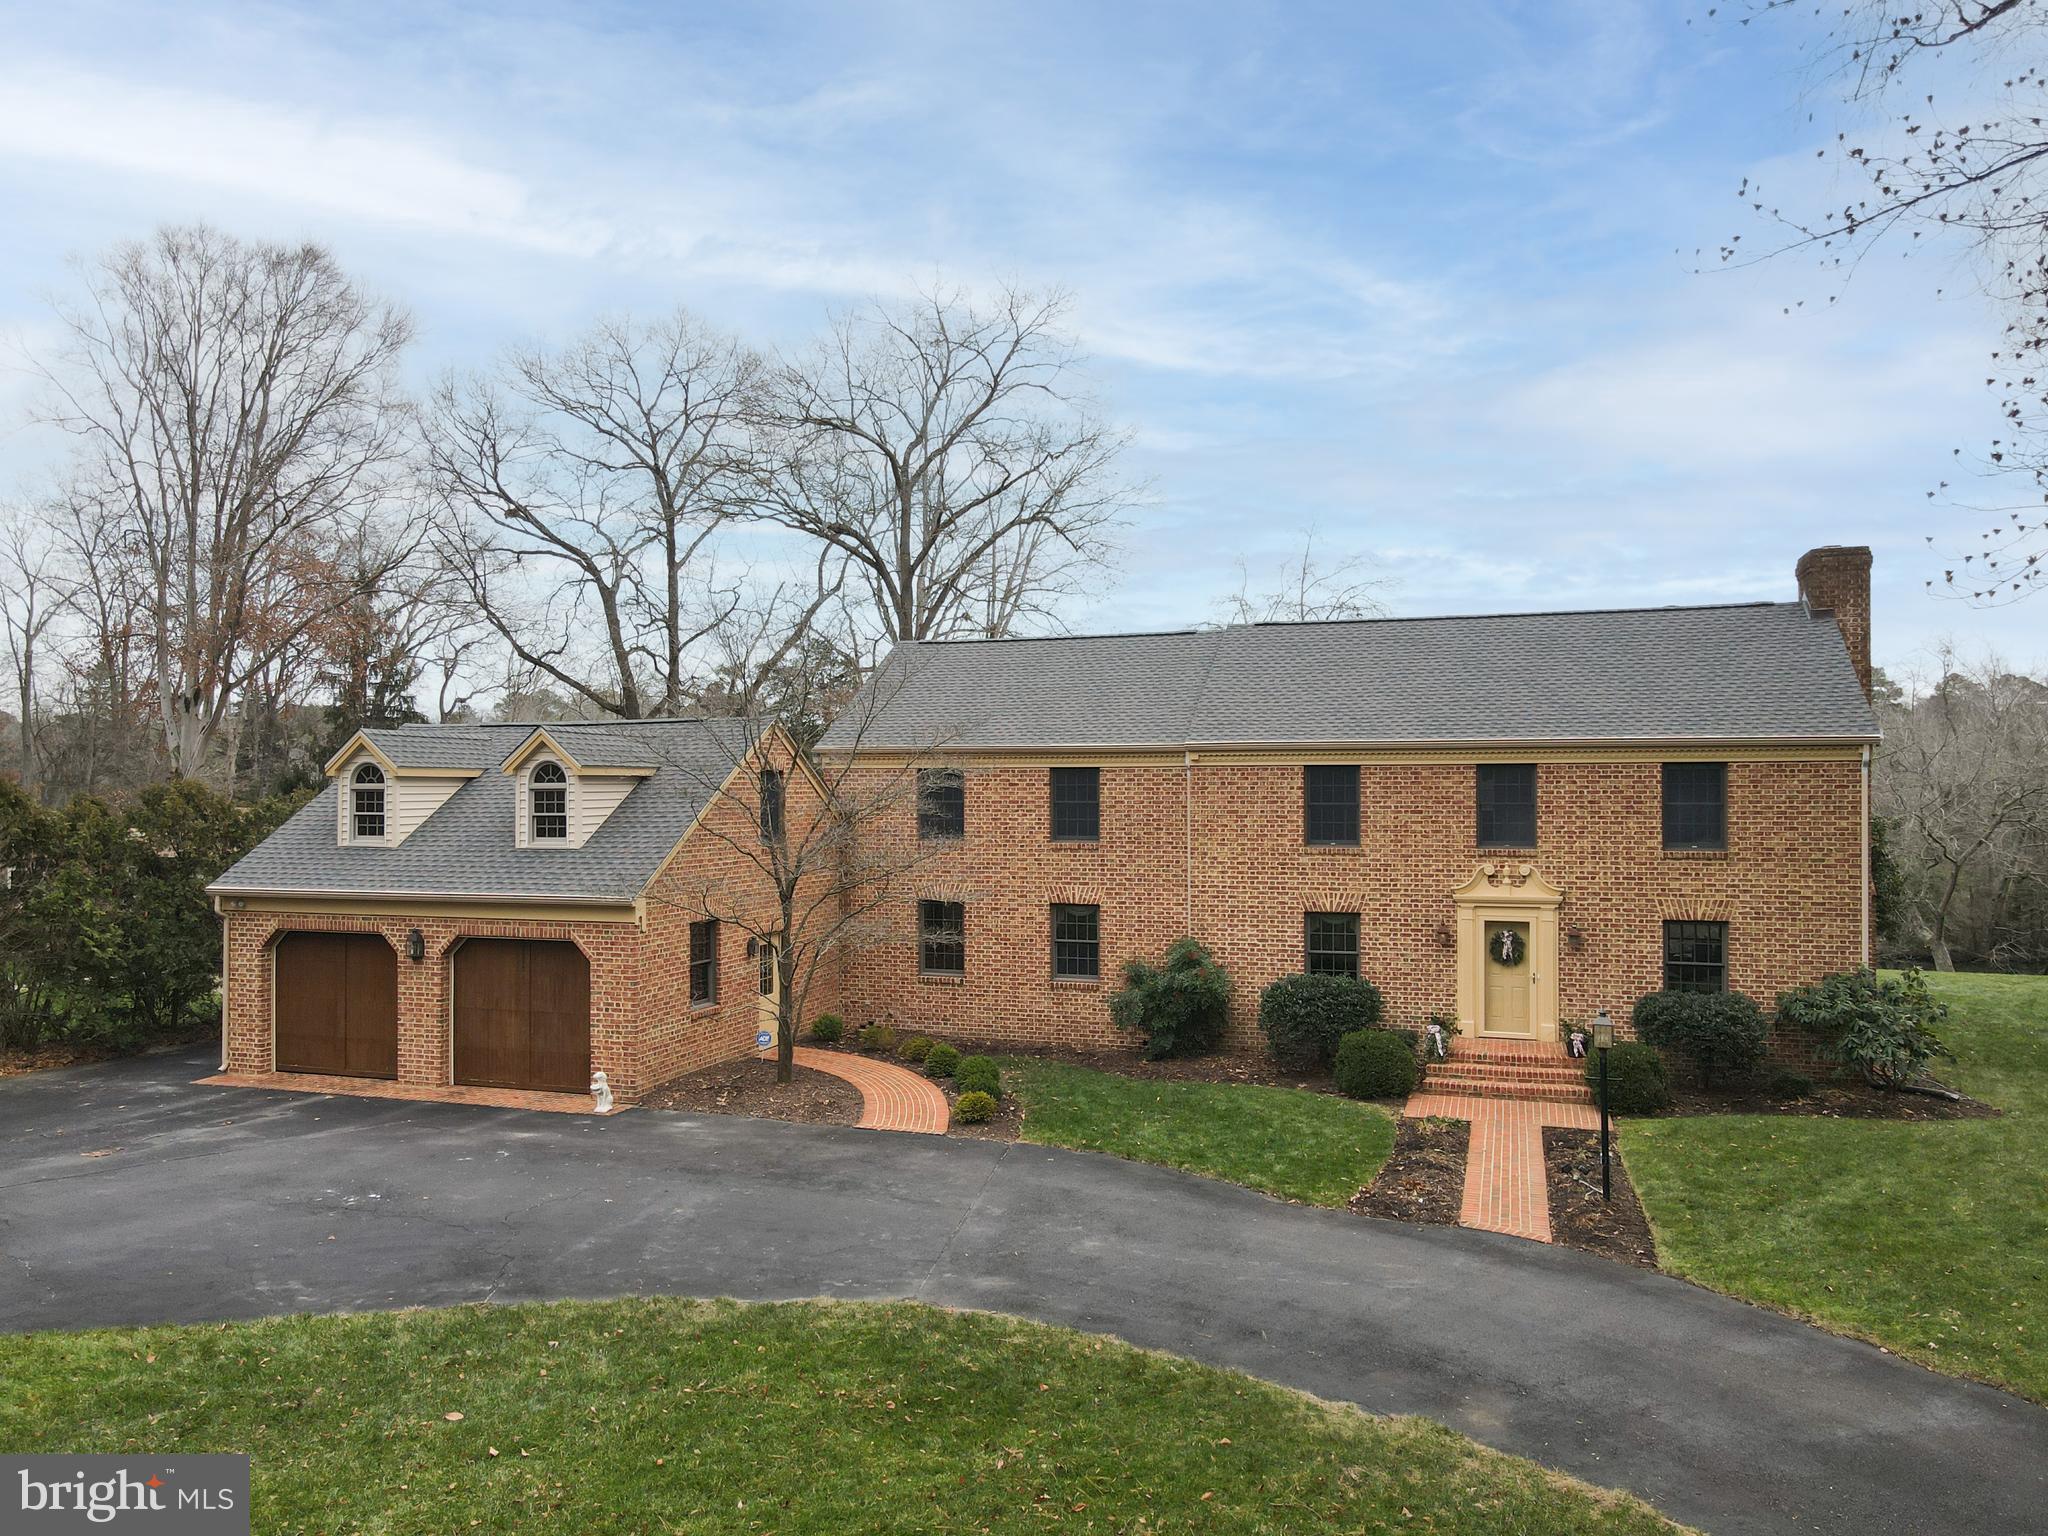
x=1509, y=1091
x=417, y=1093
x=892, y=1099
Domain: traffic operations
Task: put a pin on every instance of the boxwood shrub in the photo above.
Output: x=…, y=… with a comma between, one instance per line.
x=979, y=1074
x=878, y=1037
x=828, y=1028
x=916, y=1048
x=1375, y=1064
x=1306, y=1017
x=1637, y=1082
x=1718, y=1032
x=941, y=1060
x=976, y=1108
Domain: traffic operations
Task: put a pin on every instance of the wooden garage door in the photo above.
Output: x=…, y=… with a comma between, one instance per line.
x=337, y=1004
x=522, y=1015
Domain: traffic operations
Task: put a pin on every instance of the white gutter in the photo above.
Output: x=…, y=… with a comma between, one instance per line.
x=1188, y=817
x=224, y=992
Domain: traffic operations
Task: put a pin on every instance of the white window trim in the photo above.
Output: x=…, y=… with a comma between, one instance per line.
x=568, y=787
x=388, y=785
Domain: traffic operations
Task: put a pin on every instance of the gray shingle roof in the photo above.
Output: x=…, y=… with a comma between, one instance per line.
x=465, y=848
x=1748, y=672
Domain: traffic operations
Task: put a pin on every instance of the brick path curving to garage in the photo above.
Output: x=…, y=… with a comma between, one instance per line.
x=892, y=1098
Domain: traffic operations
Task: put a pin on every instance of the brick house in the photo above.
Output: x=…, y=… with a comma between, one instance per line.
x=511, y=906
x=1509, y=820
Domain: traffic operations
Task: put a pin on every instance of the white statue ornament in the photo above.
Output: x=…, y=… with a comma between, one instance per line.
x=601, y=1090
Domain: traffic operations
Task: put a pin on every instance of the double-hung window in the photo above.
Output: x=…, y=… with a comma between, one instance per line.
x=1695, y=805
x=1506, y=798
x=704, y=961
x=771, y=804
x=1076, y=805
x=1330, y=944
x=1076, y=943
x=548, y=806
x=366, y=804
x=941, y=803
x=1329, y=803
x=1695, y=957
x=942, y=938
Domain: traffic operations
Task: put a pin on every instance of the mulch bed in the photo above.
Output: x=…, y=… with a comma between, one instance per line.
x=1007, y=1125
x=1579, y=1218
x=1129, y=1063
x=748, y=1087
x=1424, y=1180
x=1842, y=1099
x=44, y=1057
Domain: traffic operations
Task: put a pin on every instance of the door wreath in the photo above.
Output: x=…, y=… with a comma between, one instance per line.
x=1508, y=947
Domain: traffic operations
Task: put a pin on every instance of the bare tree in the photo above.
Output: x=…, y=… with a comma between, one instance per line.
x=1963, y=778
x=236, y=405
x=802, y=871
x=585, y=491
x=945, y=450
x=31, y=597
x=1919, y=176
x=1308, y=588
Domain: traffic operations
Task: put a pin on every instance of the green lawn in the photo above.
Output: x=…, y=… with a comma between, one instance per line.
x=670, y=1415
x=1301, y=1146
x=1931, y=1238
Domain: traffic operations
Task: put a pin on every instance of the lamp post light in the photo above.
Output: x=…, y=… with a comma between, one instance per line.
x=1603, y=1041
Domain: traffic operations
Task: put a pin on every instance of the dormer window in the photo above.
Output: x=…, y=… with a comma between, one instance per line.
x=550, y=803
x=366, y=804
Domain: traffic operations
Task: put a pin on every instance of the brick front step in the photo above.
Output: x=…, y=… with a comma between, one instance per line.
x=1482, y=1087
x=1521, y=1072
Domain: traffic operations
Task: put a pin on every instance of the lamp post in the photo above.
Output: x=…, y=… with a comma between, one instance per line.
x=1603, y=1041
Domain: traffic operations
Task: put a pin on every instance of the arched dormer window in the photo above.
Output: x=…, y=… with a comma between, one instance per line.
x=549, y=807
x=366, y=804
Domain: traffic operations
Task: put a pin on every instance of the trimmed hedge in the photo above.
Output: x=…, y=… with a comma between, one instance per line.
x=1637, y=1081
x=916, y=1048
x=941, y=1060
x=1376, y=1064
x=1718, y=1032
x=979, y=1074
x=828, y=1028
x=1307, y=1017
x=878, y=1037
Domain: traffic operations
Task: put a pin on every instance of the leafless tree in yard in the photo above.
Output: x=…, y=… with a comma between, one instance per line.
x=237, y=415
x=1921, y=175
x=32, y=595
x=585, y=492
x=820, y=850
x=1963, y=778
x=944, y=448
x=1309, y=587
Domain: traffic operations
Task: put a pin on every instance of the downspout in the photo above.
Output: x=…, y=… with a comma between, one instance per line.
x=1866, y=857
x=1188, y=822
x=224, y=993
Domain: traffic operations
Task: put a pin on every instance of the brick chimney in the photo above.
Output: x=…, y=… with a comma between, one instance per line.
x=1836, y=579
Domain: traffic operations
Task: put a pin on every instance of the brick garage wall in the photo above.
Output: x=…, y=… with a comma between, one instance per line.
x=710, y=873
x=426, y=987
x=1788, y=886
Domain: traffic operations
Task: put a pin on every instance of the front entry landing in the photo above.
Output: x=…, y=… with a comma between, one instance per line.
x=1507, y=953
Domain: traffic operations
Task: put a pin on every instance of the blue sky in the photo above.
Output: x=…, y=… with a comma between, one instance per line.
x=1421, y=278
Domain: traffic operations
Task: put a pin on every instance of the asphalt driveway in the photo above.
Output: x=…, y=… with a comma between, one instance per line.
x=130, y=1195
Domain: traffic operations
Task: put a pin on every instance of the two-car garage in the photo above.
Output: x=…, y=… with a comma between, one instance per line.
x=519, y=1017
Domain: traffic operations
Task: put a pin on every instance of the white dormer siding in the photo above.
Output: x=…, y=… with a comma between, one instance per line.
x=592, y=798
x=421, y=799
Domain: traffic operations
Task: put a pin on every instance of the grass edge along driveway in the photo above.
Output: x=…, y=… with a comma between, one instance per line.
x=665, y=1414
x=1929, y=1238
x=1314, y=1148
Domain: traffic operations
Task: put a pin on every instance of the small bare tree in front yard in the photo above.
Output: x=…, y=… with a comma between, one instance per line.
x=793, y=848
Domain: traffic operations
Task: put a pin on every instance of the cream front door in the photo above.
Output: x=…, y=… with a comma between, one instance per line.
x=1508, y=983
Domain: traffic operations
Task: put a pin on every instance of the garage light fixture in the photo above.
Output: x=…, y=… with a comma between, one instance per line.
x=416, y=945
